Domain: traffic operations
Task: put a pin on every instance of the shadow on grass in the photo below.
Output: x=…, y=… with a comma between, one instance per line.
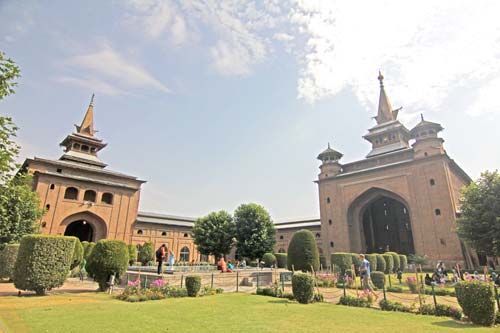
x=454, y=324
x=279, y=301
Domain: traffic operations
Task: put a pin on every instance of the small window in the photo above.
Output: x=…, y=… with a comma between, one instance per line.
x=437, y=211
x=331, y=244
x=85, y=148
x=186, y=235
x=44, y=224
x=318, y=235
x=184, y=255
x=164, y=233
x=330, y=222
x=71, y=193
x=47, y=206
x=59, y=170
x=107, y=198
x=52, y=186
x=76, y=146
x=425, y=154
x=326, y=175
x=281, y=237
x=139, y=232
x=89, y=196
x=328, y=200
x=442, y=241
x=432, y=182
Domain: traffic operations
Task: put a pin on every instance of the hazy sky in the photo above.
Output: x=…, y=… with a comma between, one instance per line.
x=218, y=103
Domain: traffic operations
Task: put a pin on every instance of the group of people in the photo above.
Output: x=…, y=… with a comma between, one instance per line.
x=161, y=255
x=225, y=267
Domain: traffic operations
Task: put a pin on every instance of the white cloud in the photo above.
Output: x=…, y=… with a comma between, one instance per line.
x=112, y=72
x=284, y=37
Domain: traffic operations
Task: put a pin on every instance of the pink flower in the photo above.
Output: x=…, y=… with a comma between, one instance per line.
x=134, y=283
x=157, y=283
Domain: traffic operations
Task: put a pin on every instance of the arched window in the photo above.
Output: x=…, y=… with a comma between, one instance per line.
x=328, y=200
x=318, y=235
x=164, y=233
x=330, y=222
x=107, y=198
x=52, y=186
x=89, y=196
x=281, y=237
x=432, y=182
x=76, y=145
x=139, y=232
x=47, y=206
x=437, y=211
x=186, y=235
x=184, y=254
x=281, y=250
x=44, y=224
x=85, y=148
x=331, y=244
x=71, y=193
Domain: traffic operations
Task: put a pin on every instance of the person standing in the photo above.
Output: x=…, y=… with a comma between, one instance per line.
x=364, y=270
x=171, y=260
x=160, y=256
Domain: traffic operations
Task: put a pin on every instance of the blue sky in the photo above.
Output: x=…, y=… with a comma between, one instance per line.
x=217, y=103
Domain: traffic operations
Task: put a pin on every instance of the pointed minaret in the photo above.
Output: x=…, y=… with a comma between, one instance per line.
x=330, y=163
x=385, y=112
x=82, y=146
x=87, y=126
x=427, y=142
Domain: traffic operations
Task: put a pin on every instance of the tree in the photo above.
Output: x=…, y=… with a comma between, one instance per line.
x=303, y=252
x=479, y=223
x=214, y=234
x=146, y=253
x=255, y=231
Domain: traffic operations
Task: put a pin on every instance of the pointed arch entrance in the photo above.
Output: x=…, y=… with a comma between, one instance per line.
x=81, y=230
x=379, y=222
x=86, y=226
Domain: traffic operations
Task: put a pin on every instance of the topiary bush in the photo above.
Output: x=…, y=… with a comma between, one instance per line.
x=403, y=262
x=303, y=252
x=7, y=260
x=354, y=301
x=88, y=250
x=302, y=288
x=341, y=260
x=43, y=262
x=389, y=263
x=132, y=254
x=269, y=260
x=281, y=260
x=107, y=258
x=356, y=262
x=193, y=285
x=77, y=254
x=477, y=300
x=146, y=253
x=372, y=259
x=378, y=279
x=395, y=261
x=380, y=263
x=386, y=305
x=444, y=310
x=85, y=245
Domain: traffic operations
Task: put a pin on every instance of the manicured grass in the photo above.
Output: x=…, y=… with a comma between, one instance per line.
x=91, y=312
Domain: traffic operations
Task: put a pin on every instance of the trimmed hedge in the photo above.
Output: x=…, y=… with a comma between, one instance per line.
x=43, y=262
x=389, y=263
x=146, y=253
x=378, y=279
x=354, y=301
x=477, y=300
x=341, y=260
x=281, y=259
x=302, y=288
x=77, y=254
x=7, y=260
x=380, y=263
x=132, y=254
x=303, y=252
x=269, y=259
x=395, y=261
x=356, y=262
x=372, y=259
x=386, y=305
x=193, y=285
x=108, y=257
x=403, y=262
x=88, y=250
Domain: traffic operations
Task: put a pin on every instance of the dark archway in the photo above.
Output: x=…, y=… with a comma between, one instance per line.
x=387, y=227
x=81, y=230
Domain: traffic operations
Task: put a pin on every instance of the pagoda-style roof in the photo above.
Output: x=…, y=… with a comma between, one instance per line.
x=329, y=154
x=425, y=125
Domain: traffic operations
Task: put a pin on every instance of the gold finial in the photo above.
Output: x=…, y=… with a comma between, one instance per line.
x=422, y=116
x=381, y=78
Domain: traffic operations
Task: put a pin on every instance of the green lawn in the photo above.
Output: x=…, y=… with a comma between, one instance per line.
x=91, y=312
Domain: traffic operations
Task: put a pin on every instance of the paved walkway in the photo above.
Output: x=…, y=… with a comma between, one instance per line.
x=72, y=285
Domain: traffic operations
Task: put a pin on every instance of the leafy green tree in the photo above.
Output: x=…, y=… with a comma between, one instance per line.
x=146, y=253
x=255, y=231
x=479, y=223
x=214, y=234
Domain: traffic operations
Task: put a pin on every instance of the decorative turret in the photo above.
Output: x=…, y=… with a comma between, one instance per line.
x=330, y=165
x=389, y=134
x=82, y=146
x=427, y=142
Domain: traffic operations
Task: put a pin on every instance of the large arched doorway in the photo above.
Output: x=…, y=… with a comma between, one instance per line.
x=81, y=230
x=386, y=226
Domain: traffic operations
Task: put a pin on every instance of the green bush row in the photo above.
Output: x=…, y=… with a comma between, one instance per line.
x=269, y=259
x=389, y=262
x=281, y=260
x=354, y=301
x=386, y=305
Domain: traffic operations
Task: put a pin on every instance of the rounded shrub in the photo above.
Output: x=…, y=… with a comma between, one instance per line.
x=77, y=254
x=107, y=258
x=372, y=259
x=269, y=259
x=356, y=262
x=85, y=244
x=43, y=262
x=341, y=260
x=146, y=253
x=378, y=279
x=7, y=260
x=403, y=262
x=389, y=263
x=380, y=263
x=303, y=252
x=88, y=250
x=302, y=288
x=132, y=254
x=193, y=285
x=395, y=261
x=281, y=260
x=477, y=300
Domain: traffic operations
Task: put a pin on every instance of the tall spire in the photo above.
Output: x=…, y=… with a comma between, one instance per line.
x=385, y=111
x=87, y=126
